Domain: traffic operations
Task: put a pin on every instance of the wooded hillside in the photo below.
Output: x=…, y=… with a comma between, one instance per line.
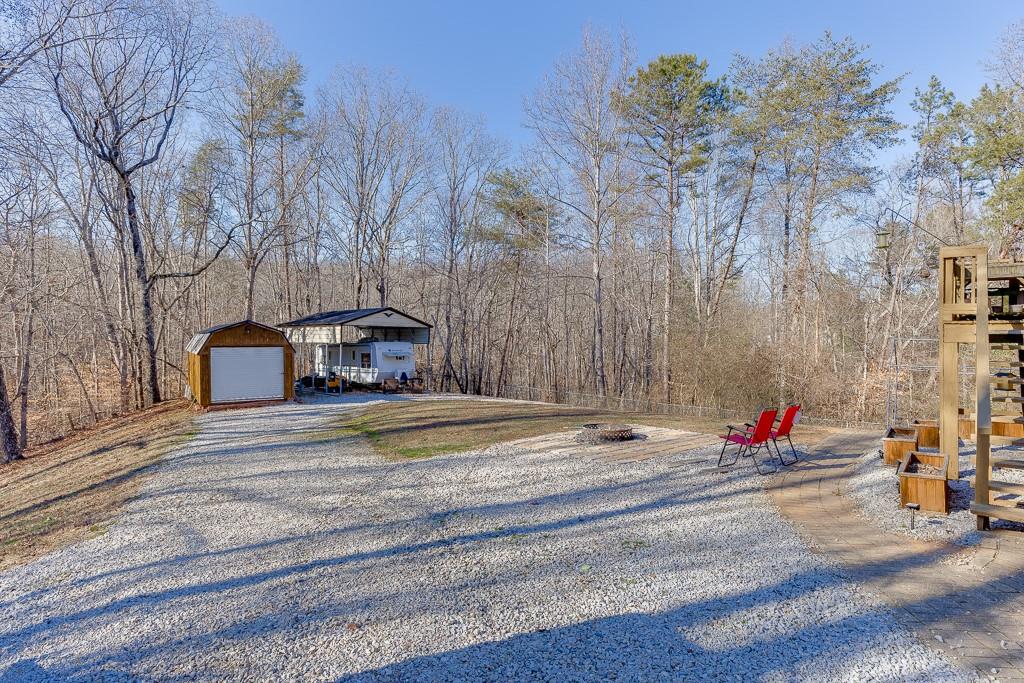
x=676, y=232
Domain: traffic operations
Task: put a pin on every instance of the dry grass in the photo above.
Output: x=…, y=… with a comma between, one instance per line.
x=417, y=429
x=68, y=490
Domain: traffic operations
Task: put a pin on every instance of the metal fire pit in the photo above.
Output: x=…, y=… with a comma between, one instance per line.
x=602, y=431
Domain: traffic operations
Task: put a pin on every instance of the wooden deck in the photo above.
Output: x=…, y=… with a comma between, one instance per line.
x=647, y=443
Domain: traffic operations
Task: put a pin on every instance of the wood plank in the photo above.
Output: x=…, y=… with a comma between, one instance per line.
x=983, y=389
x=1006, y=486
x=1013, y=514
x=1009, y=463
x=949, y=441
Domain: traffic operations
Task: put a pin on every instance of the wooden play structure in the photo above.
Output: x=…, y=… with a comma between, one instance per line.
x=981, y=304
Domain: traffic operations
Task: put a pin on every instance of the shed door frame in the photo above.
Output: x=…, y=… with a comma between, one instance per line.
x=246, y=373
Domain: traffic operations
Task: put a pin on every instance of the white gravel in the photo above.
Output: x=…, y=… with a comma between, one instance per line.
x=260, y=552
x=874, y=486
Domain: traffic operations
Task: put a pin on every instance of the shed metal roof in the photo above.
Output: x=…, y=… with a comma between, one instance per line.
x=348, y=317
x=198, y=341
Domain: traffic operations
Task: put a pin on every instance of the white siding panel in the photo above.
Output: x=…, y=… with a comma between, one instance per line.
x=246, y=373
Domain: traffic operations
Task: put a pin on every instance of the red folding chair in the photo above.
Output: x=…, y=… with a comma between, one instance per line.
x=783, y=430
x=749, y=441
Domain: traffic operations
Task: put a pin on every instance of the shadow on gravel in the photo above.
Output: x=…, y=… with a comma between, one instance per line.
x=637, y=646
x=386, y=528
x=646, y=647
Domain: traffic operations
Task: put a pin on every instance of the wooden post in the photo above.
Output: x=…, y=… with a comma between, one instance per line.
x=949, y=394
x=983, y=414
x=949, y=365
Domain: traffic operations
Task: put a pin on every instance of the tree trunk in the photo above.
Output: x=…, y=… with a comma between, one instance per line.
x=599, y=366
x=250, y=290
x=667, y=293
x=9, y=448
x=26, y=361
x=152, y=394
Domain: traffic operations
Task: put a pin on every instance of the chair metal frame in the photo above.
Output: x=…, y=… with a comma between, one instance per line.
x=786, y=423
x=750, y=441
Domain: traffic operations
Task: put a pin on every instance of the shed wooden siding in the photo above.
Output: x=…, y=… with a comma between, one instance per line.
x=236, y=335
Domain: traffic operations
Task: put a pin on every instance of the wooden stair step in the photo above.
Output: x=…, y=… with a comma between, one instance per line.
x=998, y=511
x=1006, y=487
x=1009, y=463
x=1010, y=365
x=1009, y=399
x=1002, y=486
x=1009, y=379
x=1003, y=346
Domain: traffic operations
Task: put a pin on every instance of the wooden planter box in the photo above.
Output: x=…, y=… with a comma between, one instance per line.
x=1002, y=425
x=897, y=443
x=927, y=433
x=929, y=489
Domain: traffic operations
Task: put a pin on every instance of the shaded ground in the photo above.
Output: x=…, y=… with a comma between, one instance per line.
x=268, y=548
x=427, y=427
x=969, y=602
x=70, y=489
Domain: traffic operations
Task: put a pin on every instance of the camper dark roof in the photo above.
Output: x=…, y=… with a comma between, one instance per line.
x=346, y=317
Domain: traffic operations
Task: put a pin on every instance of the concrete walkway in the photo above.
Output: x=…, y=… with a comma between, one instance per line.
x=967, y=601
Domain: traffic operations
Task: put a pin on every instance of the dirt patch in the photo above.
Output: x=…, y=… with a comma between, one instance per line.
x=416, y=429
x=72, y=488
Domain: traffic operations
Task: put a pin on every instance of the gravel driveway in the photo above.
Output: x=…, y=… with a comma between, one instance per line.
x=259, y=551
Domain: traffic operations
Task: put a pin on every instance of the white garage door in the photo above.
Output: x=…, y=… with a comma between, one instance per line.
x=245, y=373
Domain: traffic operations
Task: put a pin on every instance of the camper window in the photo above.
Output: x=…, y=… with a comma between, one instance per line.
x=364, y=361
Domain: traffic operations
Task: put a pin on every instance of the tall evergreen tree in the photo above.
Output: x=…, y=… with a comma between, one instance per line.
x=670, y=106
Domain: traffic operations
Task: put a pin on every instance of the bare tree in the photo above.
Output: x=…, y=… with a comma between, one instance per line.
x=258, y=106
x=30, y=27
x=580, y=137
x=376, y=164
x=120, y=78
x=466, y=156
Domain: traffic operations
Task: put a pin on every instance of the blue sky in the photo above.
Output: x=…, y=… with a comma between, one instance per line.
x=484, y=57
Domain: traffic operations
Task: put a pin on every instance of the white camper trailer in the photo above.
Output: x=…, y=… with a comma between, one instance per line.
x=364, y=346
x=367, y=361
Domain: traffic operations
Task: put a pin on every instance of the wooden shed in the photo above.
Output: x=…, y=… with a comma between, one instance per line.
x=237, y=362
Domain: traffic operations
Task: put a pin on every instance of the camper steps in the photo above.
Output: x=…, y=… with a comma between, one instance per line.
x=998, y=511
